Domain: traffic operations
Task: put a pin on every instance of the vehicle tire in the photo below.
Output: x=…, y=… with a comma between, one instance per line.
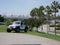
x=8, y=30
x=26, y=29
x=17, y=30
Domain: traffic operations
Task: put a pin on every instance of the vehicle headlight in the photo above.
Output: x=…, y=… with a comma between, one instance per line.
x=9, y=26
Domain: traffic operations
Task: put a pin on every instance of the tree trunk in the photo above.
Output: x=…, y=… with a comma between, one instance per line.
x=42, y=28
x=55, y=23
x=47, y=24
x=47, y=28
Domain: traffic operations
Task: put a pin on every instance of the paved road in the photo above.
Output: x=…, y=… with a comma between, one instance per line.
x=19, y=38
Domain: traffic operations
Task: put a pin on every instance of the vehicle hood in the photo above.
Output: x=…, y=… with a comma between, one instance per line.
x=14, y=25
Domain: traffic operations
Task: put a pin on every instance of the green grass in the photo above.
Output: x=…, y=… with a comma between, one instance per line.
x=50, y=36
x=3, y=28
x=54, y=32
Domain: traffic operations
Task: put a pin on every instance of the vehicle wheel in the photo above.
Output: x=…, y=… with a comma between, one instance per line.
x=8, y=30
x=25, y=30
x=17, y=30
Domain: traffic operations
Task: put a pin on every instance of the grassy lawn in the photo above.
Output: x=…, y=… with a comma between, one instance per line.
x=4, y=27
x=50, y=36
x=58, y=32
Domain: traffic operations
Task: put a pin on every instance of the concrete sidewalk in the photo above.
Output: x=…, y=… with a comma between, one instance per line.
x=19, y=38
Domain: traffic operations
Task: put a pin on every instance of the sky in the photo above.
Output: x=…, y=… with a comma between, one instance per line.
x=21, y=7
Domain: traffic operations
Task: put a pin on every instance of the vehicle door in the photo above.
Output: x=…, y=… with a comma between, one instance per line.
x=22, y=25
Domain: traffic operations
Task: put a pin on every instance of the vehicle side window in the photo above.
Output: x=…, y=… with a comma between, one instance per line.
x=21, y=23
x=18, y=22
x=25, y=23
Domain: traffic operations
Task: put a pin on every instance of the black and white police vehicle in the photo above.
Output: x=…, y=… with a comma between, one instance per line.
x=17, y=26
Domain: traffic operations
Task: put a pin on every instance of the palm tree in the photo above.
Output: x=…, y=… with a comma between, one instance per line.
x=41, y=15
x=48, y=12
x=40, y=11
x=33, y=12
x=55, y=6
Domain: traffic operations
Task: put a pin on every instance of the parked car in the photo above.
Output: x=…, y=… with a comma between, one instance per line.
x=2, y=23
x=17, y=26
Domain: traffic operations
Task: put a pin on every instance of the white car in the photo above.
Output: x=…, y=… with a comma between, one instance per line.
x=17, y=26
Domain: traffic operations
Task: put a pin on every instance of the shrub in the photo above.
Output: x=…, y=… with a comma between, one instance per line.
x=7, y=22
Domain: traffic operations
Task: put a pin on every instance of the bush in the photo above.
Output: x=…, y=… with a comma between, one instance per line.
x=1, y=18
x=7, y=22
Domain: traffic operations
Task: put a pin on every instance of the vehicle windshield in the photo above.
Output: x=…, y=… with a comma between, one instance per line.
x=16, y=22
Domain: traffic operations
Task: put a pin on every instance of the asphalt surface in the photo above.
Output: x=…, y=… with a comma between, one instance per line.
x=25, y=39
